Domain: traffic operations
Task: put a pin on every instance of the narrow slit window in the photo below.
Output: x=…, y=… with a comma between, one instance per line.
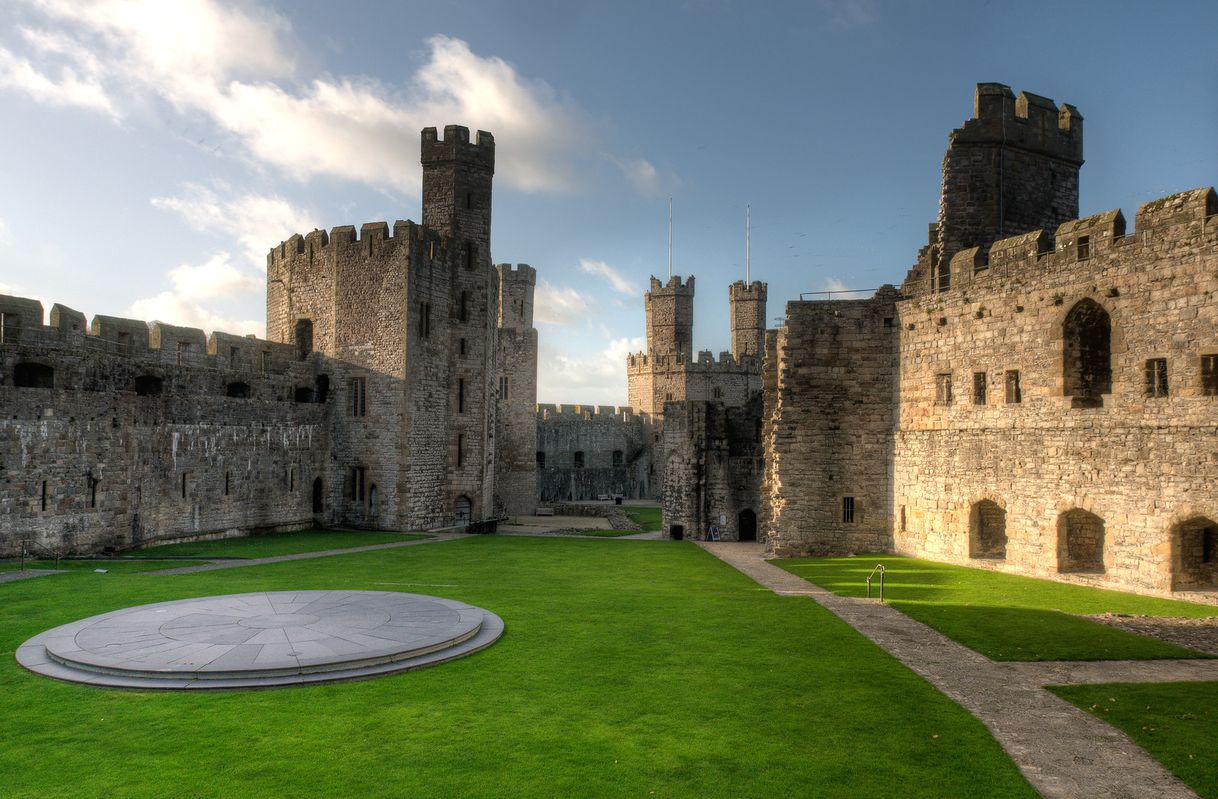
x=463, y=310
x=1014, y=391
x=425, y=319
x=1156, y=377
x=44, y=494
x=979, y=381
x=227, y=482
x=1209, y=375
x=93, y=481
x=943, y=389
x=847, y=510
x=359, y=396
x=503, y=387
x=461, y=395
x=183, y=485
x=904, y=524
x=460, y=449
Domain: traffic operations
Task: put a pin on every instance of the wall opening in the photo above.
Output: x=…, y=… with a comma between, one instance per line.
x=849, y=510
x=464, y=510
x=676, y=532
x=323, y=387
x=987, y=531
x=617, y=457
x=1080, y=543
x=746, y=525
x=541, y=460
x=1087, y=354
x=359, y=396
x=33, y=375
x=149, y=386
x=303, y=394
x=373, y=508
x=1156, y=377
x=317, y=495
x=238, y=390
x=579, y=459
x=1195, y=555
x=1209, y=375
x=304, y=338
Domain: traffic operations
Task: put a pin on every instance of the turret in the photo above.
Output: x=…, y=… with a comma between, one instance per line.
x=515, y=296
x=670, y=317
x=457, y=177
x=748, y=317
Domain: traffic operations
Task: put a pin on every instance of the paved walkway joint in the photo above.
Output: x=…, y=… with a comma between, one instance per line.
x=1062, y=751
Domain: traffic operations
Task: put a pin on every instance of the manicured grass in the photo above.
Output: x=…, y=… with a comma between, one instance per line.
x=265, y=546
x=639, y=669
x=650, y=519
x=1177, y=723
x=1004, y=616
x=605, y=533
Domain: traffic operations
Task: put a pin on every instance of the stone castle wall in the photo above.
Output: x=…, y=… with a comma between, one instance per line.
x=516, y=485
x=124, y=434
x=585, y=452
x=1142, y=463
x=829, y=427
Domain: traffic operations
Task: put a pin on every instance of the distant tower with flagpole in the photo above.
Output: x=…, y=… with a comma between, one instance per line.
x=747, y=300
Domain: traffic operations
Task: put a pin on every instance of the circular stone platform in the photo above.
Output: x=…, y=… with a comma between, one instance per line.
x=261, y=640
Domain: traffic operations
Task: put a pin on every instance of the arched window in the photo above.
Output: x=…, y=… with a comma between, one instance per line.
x=238, y=389
x=304, y=338
x=1087, y=354
x=33, y=375
x=1080, y=542
x=1195, y=555
x=987, y=531
x=149, y=386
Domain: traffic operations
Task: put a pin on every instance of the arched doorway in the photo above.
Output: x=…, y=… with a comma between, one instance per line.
x=464, y=510
x=1080, y=542
x=746, y=525
x=1194, y=561
x=987, y=531
x=1087, y=354
x=317, y=495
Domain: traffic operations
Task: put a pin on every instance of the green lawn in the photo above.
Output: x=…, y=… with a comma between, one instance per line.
x=605, y=533
x=264, y=546
x=650, y=519
x=1004, y=616
x=627, y=669
x=1177, y=723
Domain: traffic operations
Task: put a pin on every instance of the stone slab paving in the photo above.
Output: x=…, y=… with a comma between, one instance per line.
x=1061, y=750
x=25, y=574
x=260, y=640
x=219, y=563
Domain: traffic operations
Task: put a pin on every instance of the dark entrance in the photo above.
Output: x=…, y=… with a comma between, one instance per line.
x=676, y=532
x=746, y=525
x=317, y=490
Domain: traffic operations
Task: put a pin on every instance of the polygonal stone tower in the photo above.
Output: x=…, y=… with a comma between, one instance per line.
x=748, y=318
x=670, y=317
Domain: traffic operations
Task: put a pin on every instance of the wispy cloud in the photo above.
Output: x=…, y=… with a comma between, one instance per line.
x=558, y=305
x=258, y=222
x=616, y=279
x=234, y=64
x=646, y=179
x=216, y=279
x=599, y=378
x=844, y=15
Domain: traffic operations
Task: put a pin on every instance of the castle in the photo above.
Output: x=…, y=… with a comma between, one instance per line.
x=396, y=389
x=1040, y=395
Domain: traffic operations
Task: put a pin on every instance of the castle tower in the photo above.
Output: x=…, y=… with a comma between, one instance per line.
x=670, y=317
x=457, y=178
x=748, y=318
x=515, y=413
x=1011, y=169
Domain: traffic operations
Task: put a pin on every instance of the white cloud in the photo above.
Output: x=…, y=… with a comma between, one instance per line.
x=646, y=179
x=258, y=222
x=833, y=284
x=615, y=278
x=843, y=15
x=598, y=379
x=233, y=65
x=6, y=235
x=215, y=279
x=558, y=305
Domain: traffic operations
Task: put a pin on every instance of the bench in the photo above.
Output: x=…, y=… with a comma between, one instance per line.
x=545, y=512
x=488, y=525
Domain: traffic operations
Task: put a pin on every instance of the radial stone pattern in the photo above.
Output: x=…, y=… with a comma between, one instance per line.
x=261, y=640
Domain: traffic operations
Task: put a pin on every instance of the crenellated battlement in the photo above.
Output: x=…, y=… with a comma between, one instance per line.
x=706, y=362
x=747, y=291
x=319, y=243
x=520, y=273
x=674, y=285
x=594, y=413
x=1029, y=121
x=456, y=146
x=1179, y=218
x=135, y=340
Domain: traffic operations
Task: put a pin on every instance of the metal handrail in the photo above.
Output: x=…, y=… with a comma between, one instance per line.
x=879, y=567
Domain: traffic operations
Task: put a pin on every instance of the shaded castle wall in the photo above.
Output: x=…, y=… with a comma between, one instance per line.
x=616, y=446
x=516, y=485
x=89, y=464
x=712, y=469
x=829, y=436
x=1143, y=464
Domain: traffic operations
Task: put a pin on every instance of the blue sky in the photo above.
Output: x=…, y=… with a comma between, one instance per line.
x=157, y=150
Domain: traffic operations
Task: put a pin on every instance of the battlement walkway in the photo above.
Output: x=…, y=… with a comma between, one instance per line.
x=1062, y=751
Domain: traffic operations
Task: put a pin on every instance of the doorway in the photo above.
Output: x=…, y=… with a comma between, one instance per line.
x=746, y=525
